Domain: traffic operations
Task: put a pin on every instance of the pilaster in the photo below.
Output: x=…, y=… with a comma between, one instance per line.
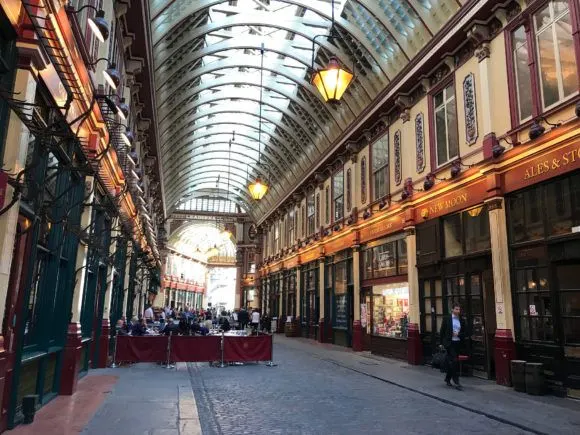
x=357, y=344
x=298, y=292
x=412, y=274
x=322, y=308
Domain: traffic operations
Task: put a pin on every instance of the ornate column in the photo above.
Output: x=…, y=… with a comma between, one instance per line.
x=127, y=276
x=73, y=345
x=505, y=349
x=322, y=308
x=415, y=346
x=105, y=322
x=239, y=278
x=357, y=344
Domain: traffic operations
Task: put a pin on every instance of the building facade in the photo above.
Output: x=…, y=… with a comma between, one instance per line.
x=78, y=219
x=460, y=183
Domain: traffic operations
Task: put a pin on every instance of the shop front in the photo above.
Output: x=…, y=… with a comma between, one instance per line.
x=309, y=299
x=385, y=297
x=544, y=237
x=339, y=294
x=455, y=265
x=289, y=300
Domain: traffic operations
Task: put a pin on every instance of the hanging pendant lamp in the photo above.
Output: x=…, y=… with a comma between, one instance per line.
x=332, y=81
x=259, y=188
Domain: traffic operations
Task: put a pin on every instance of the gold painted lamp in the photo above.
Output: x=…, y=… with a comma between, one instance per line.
x=332, y=81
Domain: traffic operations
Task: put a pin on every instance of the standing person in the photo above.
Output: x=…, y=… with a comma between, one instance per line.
x=255, y=320
x=452, y=335
x=235, y=319
x=149, y=316
x=243, y=318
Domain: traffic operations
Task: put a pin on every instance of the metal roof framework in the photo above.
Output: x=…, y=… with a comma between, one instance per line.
x=207, y=80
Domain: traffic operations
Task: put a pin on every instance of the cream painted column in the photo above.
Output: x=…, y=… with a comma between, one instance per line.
x=356, y=281
x=111, y=275
x=82, y=256
x=298, y=288
x=127, y=277
x=500, y=261
x=15, y=151
x=412, y=275
x=321, y=285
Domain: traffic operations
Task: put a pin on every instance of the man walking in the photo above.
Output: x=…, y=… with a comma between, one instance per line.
x=452, y=335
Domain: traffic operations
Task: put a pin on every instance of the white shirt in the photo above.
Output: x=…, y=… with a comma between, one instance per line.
x=149, y=314
x=162, y=315
x=255, y=317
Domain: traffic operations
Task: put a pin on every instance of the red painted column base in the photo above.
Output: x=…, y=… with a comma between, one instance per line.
x=103, y=358
x=357, y=342
x=3, y=368
x=71, y=360
x=415, y=346
x=504, y=352
x=321, y=331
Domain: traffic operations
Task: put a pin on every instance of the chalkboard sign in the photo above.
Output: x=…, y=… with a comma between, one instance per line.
x=341, y=312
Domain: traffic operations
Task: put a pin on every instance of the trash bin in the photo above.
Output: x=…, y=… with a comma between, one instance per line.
x=274, y=324
x=518, y=369
x=535, y=379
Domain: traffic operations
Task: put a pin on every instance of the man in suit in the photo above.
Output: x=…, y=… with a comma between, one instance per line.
x=453, y=333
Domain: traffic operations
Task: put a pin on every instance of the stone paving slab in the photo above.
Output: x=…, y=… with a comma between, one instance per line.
x=543, y=414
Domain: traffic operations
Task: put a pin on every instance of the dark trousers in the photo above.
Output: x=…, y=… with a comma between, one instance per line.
x=453, y=362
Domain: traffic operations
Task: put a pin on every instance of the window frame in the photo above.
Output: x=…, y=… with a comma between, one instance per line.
x=526, y=19
x=386, y=167
x=310, y=217
x=441, y=87
x=290, y=227
x=337, y=197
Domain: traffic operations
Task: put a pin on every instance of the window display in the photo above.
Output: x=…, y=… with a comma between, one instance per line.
x=390, y=310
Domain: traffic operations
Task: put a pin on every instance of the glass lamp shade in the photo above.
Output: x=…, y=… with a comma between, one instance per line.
x=332, y=81
x=258, y=189
x=112, y=76
x=99, y=26
x=123, y=109
x=128, y=137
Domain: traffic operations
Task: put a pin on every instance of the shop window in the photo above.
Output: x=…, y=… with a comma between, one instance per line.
x=445, y=121
x=310, y=211
x=569, y=303
x=534, y=304
x=32, y=306
x=386, y=257
x=466, y=232
x=380, y=167
x=340, y=316
x=428, y=242
x=553, y=61
x=559, y=208
x=390, y=310
x=338, y=195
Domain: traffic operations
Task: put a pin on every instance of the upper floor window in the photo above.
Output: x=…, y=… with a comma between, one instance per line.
x=552, y=63
x=310, y=211
x=338, y=194
x=445, y=117
x=303, y=213
x=327, y=204
x=318, y=210
x=290, y=228
x=380, y=162
x=277, y=237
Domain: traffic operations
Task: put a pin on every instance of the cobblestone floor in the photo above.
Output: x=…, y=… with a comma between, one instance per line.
x=306, y=394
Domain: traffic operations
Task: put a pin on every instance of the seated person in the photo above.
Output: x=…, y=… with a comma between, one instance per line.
x=120, y=328
x=171, y=328
x=224, y=324
x=139, y=328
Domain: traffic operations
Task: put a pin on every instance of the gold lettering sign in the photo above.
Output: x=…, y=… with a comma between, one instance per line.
x=552, y=164
x=381, y=228
x=447, y=204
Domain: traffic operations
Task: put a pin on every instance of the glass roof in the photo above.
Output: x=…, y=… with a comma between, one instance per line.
x=207, y=77
x=210, y=204
x=202, y=241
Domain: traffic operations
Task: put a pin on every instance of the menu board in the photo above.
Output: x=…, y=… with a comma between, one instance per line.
x=341, y=312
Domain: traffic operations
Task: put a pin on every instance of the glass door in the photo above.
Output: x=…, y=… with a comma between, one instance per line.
x=431, y=293
x=477, y=323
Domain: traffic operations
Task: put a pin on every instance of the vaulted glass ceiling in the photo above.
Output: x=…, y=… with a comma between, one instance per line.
x=207, y=79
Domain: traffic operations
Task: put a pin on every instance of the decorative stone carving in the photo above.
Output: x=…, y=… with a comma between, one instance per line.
x=482, y=52
x=420, y=143
x=470, y=109
x=376, y=130
x=397, y=151
x=348, y=189
x=405, y=115
x=494, y=204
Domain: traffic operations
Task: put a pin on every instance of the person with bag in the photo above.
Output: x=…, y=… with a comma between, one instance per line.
x=452, y=334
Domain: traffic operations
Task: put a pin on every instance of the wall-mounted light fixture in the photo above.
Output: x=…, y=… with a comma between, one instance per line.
x=536, y=130
x=98, y=24
x=429, y=181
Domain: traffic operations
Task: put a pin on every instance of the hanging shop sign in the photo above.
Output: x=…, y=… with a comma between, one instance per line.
x=543, y=167
x=383, y=227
